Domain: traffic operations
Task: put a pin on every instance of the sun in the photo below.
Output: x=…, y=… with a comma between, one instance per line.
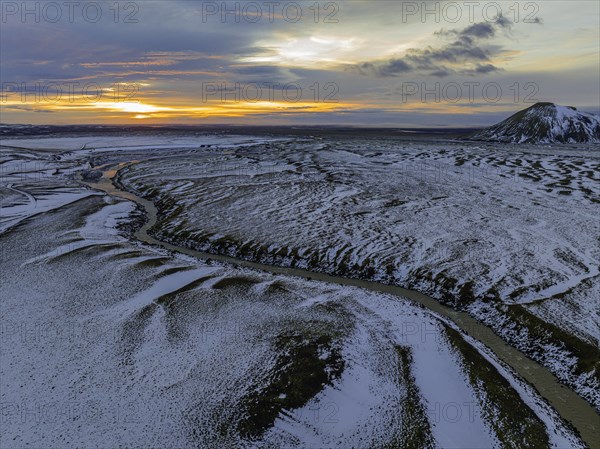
x=131, y=107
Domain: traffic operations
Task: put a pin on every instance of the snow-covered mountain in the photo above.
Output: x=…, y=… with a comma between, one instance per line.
x=544, y=123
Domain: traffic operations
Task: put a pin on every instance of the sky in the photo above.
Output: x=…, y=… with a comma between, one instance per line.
x=360, y=63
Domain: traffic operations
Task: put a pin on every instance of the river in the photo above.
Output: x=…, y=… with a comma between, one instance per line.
x=570, y=406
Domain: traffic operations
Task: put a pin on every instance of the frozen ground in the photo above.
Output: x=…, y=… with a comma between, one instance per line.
x=497, y=230
x=126, y=344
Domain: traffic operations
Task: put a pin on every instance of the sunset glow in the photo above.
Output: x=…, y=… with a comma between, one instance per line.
x=367, y=53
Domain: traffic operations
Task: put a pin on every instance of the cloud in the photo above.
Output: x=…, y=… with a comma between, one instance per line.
x=160, y=58
x=26, y=108
x=487, y=68
x=391, y=67
x=465, y=54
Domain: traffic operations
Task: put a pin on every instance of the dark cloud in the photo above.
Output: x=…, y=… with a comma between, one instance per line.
x=255, y=51
x=25, y=108
x=487, y=68
x=393, y=67
x=465, y=54
x=441, y=73
x=482, y=30
x=266, y=71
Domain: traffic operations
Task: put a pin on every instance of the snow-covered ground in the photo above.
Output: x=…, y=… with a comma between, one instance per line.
x=106, y=342
x=466, y=223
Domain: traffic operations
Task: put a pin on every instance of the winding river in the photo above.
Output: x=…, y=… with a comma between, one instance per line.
x=571, y=407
